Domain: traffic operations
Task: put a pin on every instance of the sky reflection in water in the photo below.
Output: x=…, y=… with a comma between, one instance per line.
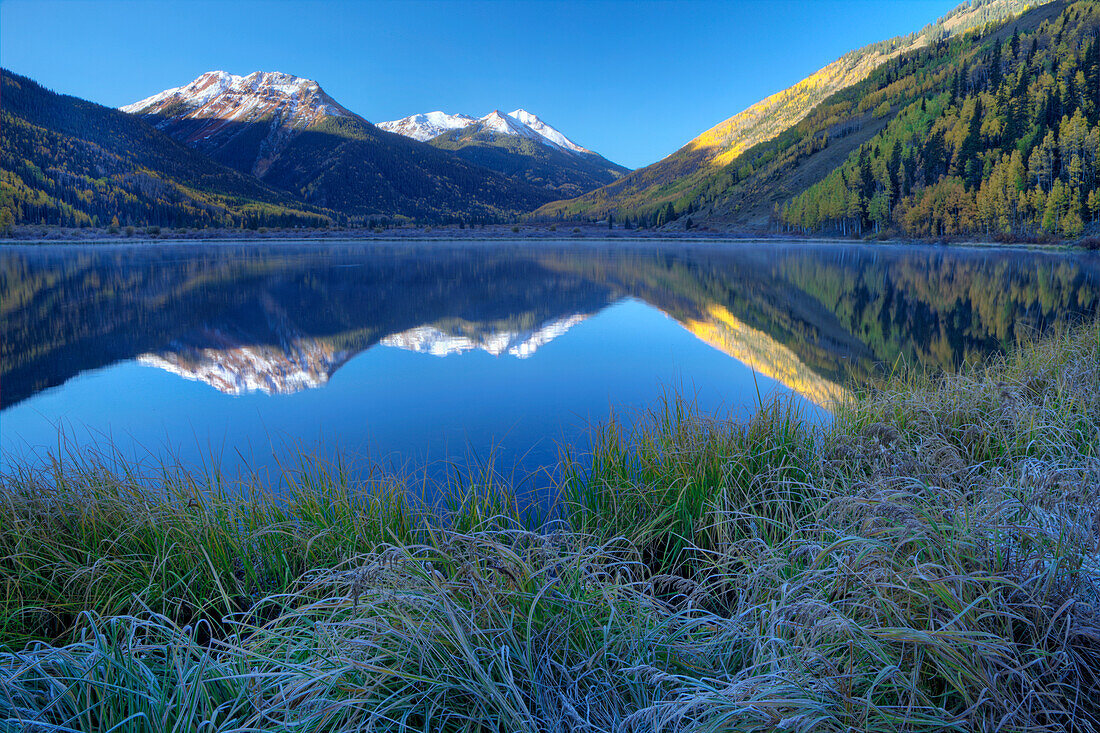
x=422, y=354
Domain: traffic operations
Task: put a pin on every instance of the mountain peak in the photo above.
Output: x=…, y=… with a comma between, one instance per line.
x=497, y=121
x=294, y=100
x=547, y=132
x=426, y=125
x=429, y=125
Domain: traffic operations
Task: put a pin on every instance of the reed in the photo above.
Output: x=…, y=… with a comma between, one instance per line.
x=928, y=561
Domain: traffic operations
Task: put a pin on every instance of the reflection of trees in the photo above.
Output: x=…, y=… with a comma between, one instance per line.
x=940, y=308
x=842, y=309
x=835, y=310
x=80, y=309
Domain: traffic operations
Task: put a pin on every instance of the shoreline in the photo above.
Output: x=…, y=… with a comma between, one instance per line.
x=499, y=233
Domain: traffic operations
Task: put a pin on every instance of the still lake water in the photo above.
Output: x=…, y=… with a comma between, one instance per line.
x=427, y=355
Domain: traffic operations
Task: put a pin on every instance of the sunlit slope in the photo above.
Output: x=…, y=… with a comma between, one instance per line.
x=665, y=181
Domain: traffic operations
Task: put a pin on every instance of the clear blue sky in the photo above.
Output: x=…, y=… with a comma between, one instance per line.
x=632, y=80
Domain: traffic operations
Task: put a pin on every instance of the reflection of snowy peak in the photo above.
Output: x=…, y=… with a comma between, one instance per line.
x=288, y=362
x=520, y=344
x=236, y=369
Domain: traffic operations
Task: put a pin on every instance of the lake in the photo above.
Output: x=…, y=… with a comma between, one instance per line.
x=425, y=358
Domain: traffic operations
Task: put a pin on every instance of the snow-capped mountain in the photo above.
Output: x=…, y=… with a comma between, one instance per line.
x=243, y=121
x=424, y=127
x=520, y=344
x=224, y=97
x=526, y=149
x=500, y=123
x=286, y=131
x=519, y=122
x=550, y=134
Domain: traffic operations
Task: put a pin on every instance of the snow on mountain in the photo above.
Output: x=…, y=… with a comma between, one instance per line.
x=235, y=367
x=520, y=344
x=261, y=95
x=497, y=121
x=424, y=127
x=295, y=102
x=546, y=131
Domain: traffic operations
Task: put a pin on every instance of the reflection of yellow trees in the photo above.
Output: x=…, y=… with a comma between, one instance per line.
x=756, y=349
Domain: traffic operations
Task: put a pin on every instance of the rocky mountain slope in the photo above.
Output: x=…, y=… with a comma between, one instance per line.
x=518, y=144
x=289, y=133
x=74, y=163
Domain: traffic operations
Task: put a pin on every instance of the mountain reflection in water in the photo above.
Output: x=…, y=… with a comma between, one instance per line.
x=280, y=319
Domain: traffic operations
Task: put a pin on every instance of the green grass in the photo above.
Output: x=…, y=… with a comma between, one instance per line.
x=930, y=561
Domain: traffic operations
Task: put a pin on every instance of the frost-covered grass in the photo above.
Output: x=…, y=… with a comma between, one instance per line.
x=928, y=562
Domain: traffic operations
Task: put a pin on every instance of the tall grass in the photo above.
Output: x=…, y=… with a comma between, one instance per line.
x=930, y=561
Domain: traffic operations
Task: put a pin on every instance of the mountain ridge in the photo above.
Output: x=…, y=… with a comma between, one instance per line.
x=523, y=147
x=288, y=132
x=429, y=125
x=53, y=145
x=649, y=189
x=255, y=123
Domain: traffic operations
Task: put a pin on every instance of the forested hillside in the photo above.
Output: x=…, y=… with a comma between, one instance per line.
x=351, y=166
x=992, y=133
x=69, y=162
x=983, y=124
x=714, y=162
x=1007, y=142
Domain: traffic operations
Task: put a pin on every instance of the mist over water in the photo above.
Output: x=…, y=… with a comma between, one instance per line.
x=428, y=358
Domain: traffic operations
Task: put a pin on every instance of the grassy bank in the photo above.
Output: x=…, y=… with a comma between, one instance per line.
x=929, y=562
